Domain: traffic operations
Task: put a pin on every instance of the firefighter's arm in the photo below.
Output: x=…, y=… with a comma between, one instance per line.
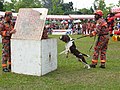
x=7, y=33
x=2, y=31
x=13, y=31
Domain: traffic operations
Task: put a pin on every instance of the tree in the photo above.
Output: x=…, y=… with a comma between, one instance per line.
x=100, y=4
x=67, y=8
x=118, y=3
x=8, y=6
x=84, y=11
x=96, y=4
x=1, y=5
x=91, y=10
x=27, y=4
x=54, y=6
x=16, y=5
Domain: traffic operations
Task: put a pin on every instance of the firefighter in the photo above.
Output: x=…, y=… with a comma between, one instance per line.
x=100, y=47
x=6, y=30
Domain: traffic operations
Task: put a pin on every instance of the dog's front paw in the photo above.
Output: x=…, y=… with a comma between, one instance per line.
x=87, y=66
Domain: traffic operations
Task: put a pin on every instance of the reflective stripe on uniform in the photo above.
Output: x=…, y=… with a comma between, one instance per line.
x=4, y=33
x=94, y=61
x=4, y=65
x=103, y=61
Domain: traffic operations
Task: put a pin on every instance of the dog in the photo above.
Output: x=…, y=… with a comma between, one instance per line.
x=70, y=47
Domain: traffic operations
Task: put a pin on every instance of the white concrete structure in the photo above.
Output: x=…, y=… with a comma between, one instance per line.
x=34, y=57
x=30, y=55
x=0, y=39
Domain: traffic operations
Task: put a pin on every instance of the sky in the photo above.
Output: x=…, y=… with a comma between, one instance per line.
x=79, y=4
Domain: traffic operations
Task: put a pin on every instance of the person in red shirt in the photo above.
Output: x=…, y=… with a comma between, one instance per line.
x=6, y=31
x=84, y=27
x=111, y=21
x=101, y=45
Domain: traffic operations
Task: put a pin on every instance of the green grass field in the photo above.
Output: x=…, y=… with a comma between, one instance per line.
x=70, y=74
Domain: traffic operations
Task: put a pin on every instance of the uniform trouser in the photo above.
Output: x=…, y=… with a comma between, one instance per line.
x=100, y=50
x=6, y=53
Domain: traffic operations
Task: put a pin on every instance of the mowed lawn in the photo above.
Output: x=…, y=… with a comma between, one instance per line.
x=70, y=74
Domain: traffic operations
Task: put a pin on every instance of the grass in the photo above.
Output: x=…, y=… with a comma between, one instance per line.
x=70, y=74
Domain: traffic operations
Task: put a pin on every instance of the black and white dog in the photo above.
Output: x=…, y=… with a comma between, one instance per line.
x=70, y=47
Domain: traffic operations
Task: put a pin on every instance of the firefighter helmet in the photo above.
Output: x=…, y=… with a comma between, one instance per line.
x=99, y=12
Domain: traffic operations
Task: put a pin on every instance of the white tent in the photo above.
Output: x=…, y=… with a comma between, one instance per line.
x=58, y=17
x=2, y=13
x=117, y=9
x=76, y=21
x=82, y=16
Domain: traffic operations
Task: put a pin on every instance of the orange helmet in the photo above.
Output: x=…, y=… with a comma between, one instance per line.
x=99, y=12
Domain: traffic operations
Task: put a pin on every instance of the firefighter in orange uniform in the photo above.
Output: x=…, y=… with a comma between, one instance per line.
x=6, y=30
x=100, y=47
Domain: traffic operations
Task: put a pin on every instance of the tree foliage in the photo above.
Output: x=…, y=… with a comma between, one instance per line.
x=86, y=11
x=1, y=5
x=10, y=6
x=67, y=8
x=27, y=4
x=118, y=3
x=15, y=4
x=100, y=4
x=54, y=6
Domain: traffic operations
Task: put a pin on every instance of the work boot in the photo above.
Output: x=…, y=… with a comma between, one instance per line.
x=6, y=70
x=102, y=66
x=93, y=65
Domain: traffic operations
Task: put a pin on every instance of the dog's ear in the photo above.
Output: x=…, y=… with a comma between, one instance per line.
x=64, y=38
x=68, y=38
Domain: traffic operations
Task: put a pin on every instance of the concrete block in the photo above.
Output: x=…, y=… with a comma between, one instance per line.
x=32, y=57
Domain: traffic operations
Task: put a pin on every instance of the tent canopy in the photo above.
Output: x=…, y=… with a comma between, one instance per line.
x=82, y=16
x=117, y=15
x=115, y=10
x=59, y=17
x=68, y=17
